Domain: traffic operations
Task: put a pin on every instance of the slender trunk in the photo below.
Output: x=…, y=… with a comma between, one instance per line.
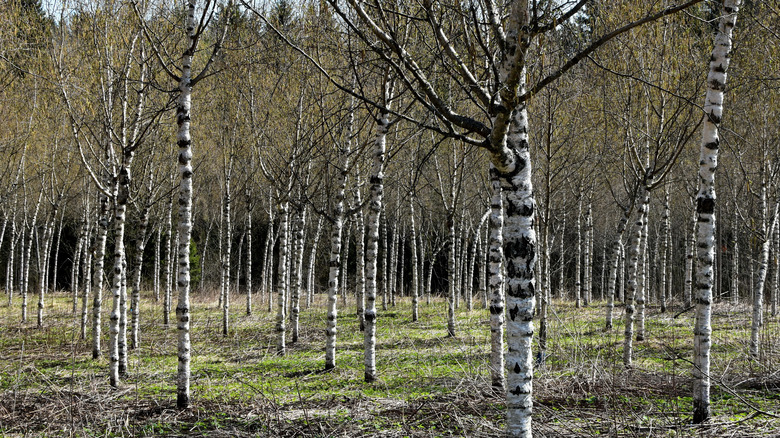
x=184, y=140
x=99, y=255
x=482, y=267
x=385, y=254
x=773, y=291
x=641, y=292
x=496, y=283
x=372, y=248
x=297, y=272
x=226, y=261
x=42, y=261
x=705, y=209
x=156, y=274
x=55, y=264
x=281, y=313
x=360, y=254
x=690, y=249
x=346, y=231
x=168, y=266
x=249, y=252
x=734, y=261
x=763, y=264
x=336, y=259
x=9, y=270
x=76, y=265
x=86, y=288
x=615, y=265
x=633, y=278
x=578, y=258
x=415, y=279
x=135, y=304
x=27, y=258
x=586, y=263
x=393, y=268
x=451, y=268
x=312, y=264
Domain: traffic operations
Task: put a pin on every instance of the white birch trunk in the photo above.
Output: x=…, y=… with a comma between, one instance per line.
x=336, y=259
x=281, y=312
x=226, y=260
x=42, y=261
x=168, y=266
x=632, y=291
x=773, y=291
x=360, y=254
x=705, y=209
x=99, y=255
x=86, y=288
x=120, y=206
x=763, y=265
x=26, y=260
x=385, y=255
x=74, y=271
x=156, y=274
x=135, y=303
x=690, y=249
x=184, y=141
x=248, y=253
x=297, y=274
x=615, y=265
x=664, y=248
x=586, y=263
x=578, y=258
x=734, y=261
x=415, y=279
x=372, y=248
x=642, y=289
x=312, y=264
x=496, y=283
x=451, y=268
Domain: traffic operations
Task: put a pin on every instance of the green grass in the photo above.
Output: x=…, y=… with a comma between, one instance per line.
x=430, y=384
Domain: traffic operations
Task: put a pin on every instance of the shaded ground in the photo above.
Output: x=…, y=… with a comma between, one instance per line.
x=430, y=385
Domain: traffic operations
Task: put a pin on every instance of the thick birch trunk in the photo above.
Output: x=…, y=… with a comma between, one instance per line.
x=705, y=209
x=372, y=248
x=135, y=304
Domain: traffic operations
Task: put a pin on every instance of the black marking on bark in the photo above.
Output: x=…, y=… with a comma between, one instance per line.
x=513, y=312
x=496, y=309
x=713, y=145
x=517, y=368
x=705, y=205
x=518, y=391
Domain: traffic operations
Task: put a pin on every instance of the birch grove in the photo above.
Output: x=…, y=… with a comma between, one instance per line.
x=410, y=190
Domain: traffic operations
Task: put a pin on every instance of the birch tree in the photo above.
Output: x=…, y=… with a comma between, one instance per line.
x=705, y=208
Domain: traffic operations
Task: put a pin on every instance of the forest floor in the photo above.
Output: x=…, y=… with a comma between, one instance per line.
x=430, y=385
